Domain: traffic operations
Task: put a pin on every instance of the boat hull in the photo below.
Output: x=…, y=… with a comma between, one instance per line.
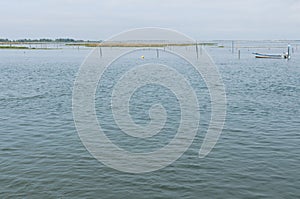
x=266, y=56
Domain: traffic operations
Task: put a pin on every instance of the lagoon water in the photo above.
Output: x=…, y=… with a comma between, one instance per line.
x=257, y=155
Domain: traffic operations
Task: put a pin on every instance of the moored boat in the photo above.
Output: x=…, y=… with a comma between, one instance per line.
x=274, y=56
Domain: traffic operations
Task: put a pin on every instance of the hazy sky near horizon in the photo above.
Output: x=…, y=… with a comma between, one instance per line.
x=99, y=19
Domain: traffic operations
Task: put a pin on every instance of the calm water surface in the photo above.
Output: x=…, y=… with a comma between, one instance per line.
x=257, y=155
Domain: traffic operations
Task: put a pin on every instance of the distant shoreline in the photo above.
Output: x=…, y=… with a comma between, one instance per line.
x=133, y=44
x=20, y=45
x=43, y=44
x=26, y=48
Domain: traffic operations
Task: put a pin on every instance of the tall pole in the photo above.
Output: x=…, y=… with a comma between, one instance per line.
x=100, y=51
x=197, y=50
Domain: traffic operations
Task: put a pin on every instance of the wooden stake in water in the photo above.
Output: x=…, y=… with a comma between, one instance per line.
x=100, y=51
x=239, y=54
x=197, y=50
x=157, y=53
x=232, y=47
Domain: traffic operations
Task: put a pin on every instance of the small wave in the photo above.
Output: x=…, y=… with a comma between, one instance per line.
x=39, y=96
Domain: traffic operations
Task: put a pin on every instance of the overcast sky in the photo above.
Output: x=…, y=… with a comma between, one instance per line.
x=200, y=19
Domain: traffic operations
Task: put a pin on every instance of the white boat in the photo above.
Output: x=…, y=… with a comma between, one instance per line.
x=274, y=56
